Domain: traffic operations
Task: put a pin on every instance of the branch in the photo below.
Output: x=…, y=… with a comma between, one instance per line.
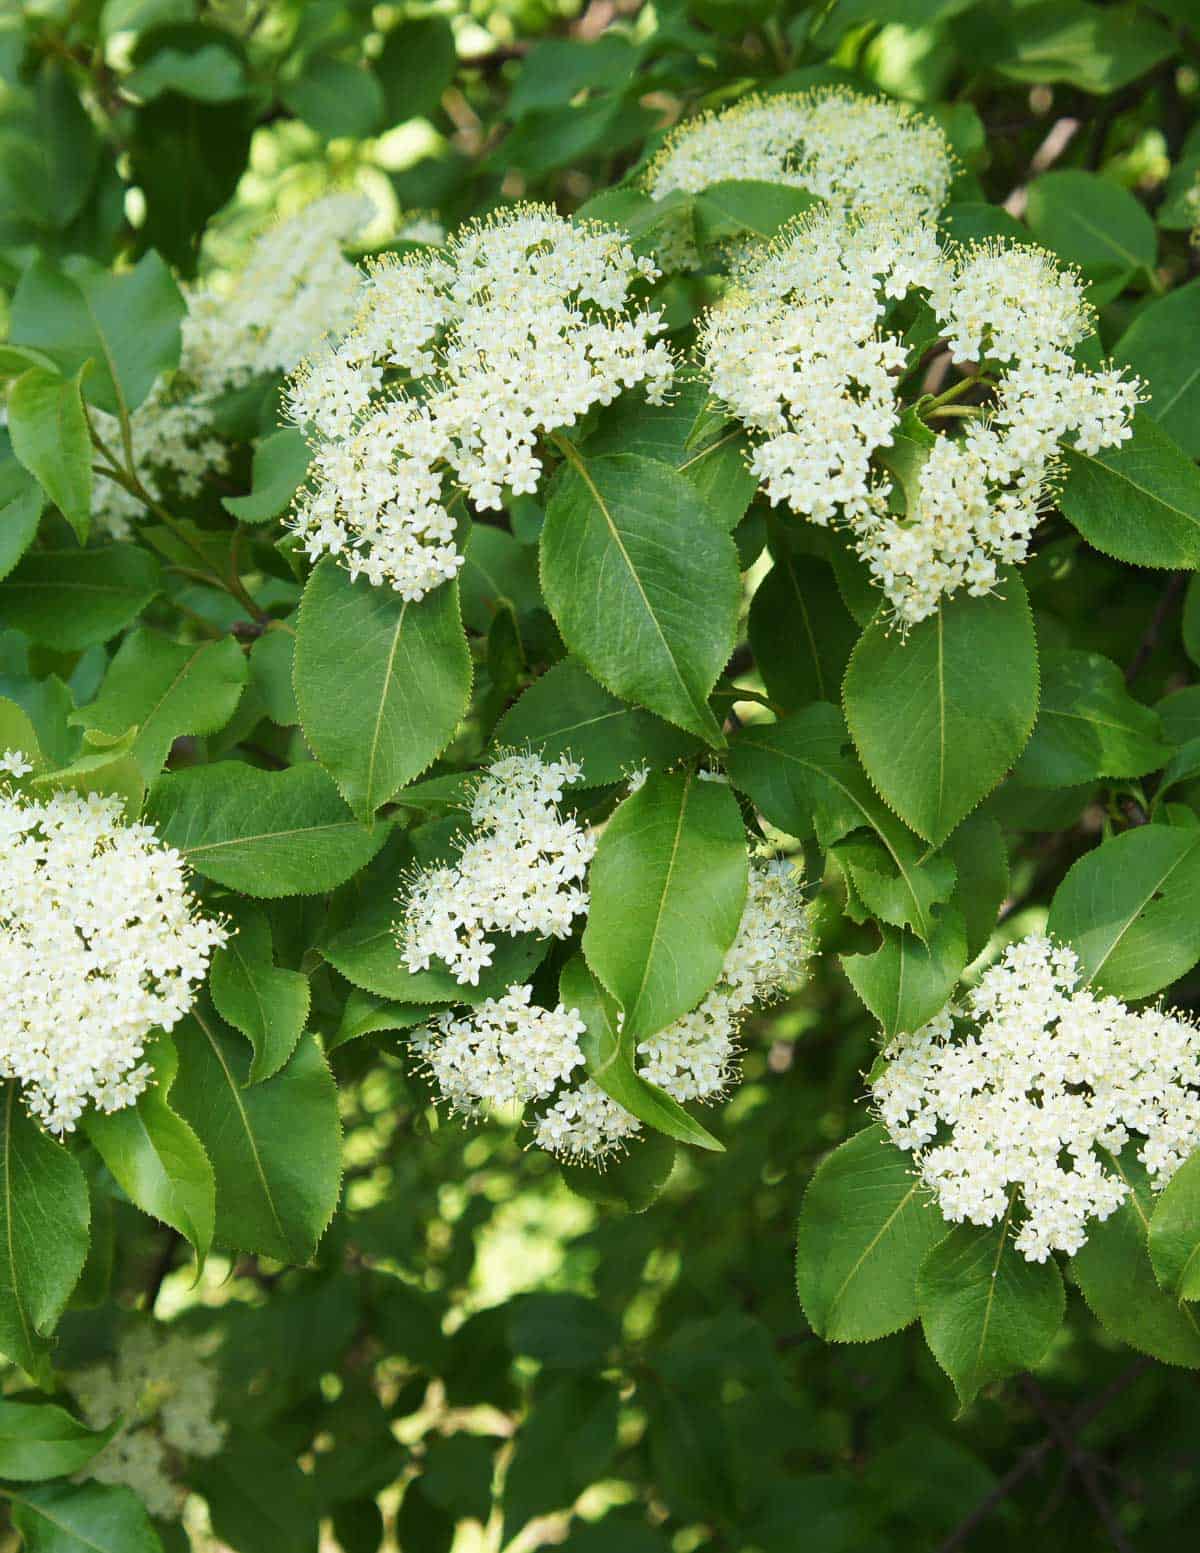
x=1153, y=631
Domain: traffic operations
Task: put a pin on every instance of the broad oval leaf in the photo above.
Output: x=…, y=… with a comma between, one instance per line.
x=39, y=1440
x=1139, y=502
x=50, y=436
x=1162, y=345
x=70, y=599
x=69, y=1517
x=1088, y=725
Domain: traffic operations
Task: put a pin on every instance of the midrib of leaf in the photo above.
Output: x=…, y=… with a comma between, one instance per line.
x=663, y=893
x=991, y=1287
x=1165, y=409
x=1133, y=916
x=1106, y=238
x=52, y=1520
x=870, y=1246
x=730, y=436
x=1184, y=1308
x=270, y=835
x=377, y=730
x=1142, y=490
x=790, y=567
x=941, y=703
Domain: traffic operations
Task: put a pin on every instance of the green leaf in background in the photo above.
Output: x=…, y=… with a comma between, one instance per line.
x=1139, y=502
x=156, y=1158
x=268, y=1004
x=1088, y=725
x=364, y=1013
x=496, y=570
x=608, y=1052
x=1117, y=1280
x=415, y=66
x=82, y=1518
x=865, y=1227
x=565, y=712
x=22, y=501
x=126, y=325
x=1130, y=909
x=1174, y=1235
x=801, y=632
x=69, y=599
x=280, y=465
x=541, y=1475
x=642, y=583
x=631, y=1182
x=259, y=1499
x=18, y=733
x=801, y=771
x=1093, y=222
x=1162, y=345
x=43, y=1234
x=67, y=139
x=981, y=858
x=110, y=769
x=275, y=1146
x=739, y=208
x=1082, y=45
x=905, y=982
x=165, y=689
x=271, y=660
x=335, y=97
x=668, y=883
x=265, y=833
x=39, y=1440
x=49, y=432
x=939, y=717
x=381, y=683
x=986, y=1312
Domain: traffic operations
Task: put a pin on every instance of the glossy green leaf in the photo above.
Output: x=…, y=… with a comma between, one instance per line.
x=668, y=883
x=801, y=631
x=981, y=858
x=381, y=683
x=1139, y=502
x=69, y=599
x=69, y=1517
x=642, y=583
x=39, y=1440
x=1089, y=726
x=905, y=982
x=335, y=97
x=267, y=1003
x=739, y=208
x=49, y=432
x=1093, y=222
x=940, y=716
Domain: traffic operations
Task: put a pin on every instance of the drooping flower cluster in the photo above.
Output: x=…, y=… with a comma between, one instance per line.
x=100, y=944
x=295, y=287
x=163, y=1392
x=804, y=352
x=859, y=154
x=457, y=362
x=1017, y=1091
x=521, y=871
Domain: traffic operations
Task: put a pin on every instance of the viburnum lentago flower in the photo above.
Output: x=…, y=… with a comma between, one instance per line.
x=865, y=155
x=457, y=362
x=162, y=1393
x=100, y=944
x=1023, y=1088
x=807, y=351
x=521, y=871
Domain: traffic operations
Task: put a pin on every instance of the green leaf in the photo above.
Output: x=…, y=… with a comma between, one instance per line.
x=277, y=472
x=259, y=1499
x=1175, y=1232
x=82, y=1518
x=1162, y=345
x=69, y=599
x=609, y=1054
x=39, y=1440
x=275, y=1147
x=110, y=769
x=986, y=1312
x=43, y=1234
x=939, y=717
x=981, y=860
x=541, y=1475
x=1115, y=1275
x=366, y=1014
x=21, y=503
x=747, y=207
x=1081, y=45
x=381, y=683
x=642, y=583
x=1139, y=502
x=18, y=733
x=68, y=141
x=127, y=325
x=416, y=65
x=165, y=689
x=268, y=1004
x=1089, y=726
x=633, y=1181
x=50, y=436
x=335, y=97
x=801, y=632
x=565, y=712
x=865, y=1227
x=905, y=982
x=271, y=660
x=156, y=1158
x=1093, y=222
x=801, y=770
x=1130, y=909
x=265, y=833
x=496, y=571
x=668, y=883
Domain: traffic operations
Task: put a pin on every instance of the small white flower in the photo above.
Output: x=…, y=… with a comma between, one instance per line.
x=13, y=763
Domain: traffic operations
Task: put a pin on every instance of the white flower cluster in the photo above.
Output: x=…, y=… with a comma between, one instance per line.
x=100, y=944
x=521, y=871
x=457, y=361
x=860, y=154
x=295, y=288
x=509, y=1051
x=801, y=353
x=1044, y=1075
x=164, y=1393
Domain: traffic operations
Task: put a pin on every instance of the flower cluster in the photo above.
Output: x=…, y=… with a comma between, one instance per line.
x=458, y=360
x=1018, y=1103
x=521, y=871
x=295, y=287
x=163, y=1393
x=805, y=353
x=100, y=944
x=861, y=154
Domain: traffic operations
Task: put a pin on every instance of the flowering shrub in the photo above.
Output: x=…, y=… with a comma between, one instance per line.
x=597, y=649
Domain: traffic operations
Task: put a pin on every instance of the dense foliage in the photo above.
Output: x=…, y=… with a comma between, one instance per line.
x=597, y=627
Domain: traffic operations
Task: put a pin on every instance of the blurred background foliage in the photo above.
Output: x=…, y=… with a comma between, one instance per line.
x=482, y=1358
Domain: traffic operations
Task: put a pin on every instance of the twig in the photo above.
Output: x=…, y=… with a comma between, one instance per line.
x=1080, y=1460
x=1153, y=631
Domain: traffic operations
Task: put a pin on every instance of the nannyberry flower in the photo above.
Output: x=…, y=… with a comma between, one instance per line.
x=100, y=944
x=457, y=362
x=1023, y=1090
